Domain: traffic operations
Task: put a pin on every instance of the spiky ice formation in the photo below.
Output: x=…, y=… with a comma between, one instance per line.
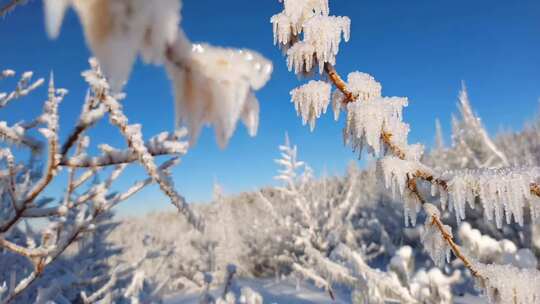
x=322, y=36
x=504, y=193
x=363, y=86
x=218, y=89
x=311, y=100
x=367, y=120
x=508, y=284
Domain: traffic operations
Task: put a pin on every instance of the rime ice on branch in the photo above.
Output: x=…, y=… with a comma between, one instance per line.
x=217, y=86
x=212, y=85
x=504, y=193
x=78, y=210
x=311, y=100
x=508, y=284
x=376, y=122
x=118, y=31
x=322, y=34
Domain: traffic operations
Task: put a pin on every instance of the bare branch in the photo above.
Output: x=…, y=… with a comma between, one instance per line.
x=10, y=6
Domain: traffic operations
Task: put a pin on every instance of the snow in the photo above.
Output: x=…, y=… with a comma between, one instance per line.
x=311, y=100
x=283, y=291
x=7, y=73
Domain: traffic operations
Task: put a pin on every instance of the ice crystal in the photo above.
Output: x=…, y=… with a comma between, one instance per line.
x=289, y=23
x=508, y=284
x=117, y=31
x=218, y=89
x=322, y=36
x=311, y=100
x=367, y=120
x=433, y=240
x=363, y=86
x=503, y=193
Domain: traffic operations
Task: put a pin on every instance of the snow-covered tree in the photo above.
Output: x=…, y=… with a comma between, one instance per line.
x=375, y=122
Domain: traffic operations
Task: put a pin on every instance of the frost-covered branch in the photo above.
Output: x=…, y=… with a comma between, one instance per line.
x=77, y=213
x=24, y=86
x=162, y=144
x=376, y=123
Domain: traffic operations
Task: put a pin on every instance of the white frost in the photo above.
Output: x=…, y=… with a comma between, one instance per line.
x=504, y=193
x=311, y=100
x=218, y=89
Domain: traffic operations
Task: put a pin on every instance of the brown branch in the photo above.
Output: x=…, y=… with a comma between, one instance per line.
x=396, y=151
x=339, y=83
x=72, y=139
x=6, y=9
x=435, y=220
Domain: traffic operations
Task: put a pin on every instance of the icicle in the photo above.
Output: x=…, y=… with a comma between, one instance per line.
x=218, y=89
x=367, y=120
x=433, y=240
x=117, y=31
x=508, y=284
x=322, y=36
x=311, y=100
x=301, y=57
x=504, y=193
x=284, y=29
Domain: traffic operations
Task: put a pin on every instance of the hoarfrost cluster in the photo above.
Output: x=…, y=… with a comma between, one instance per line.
x=311, y=100
x=505, y=193
x=212, y=85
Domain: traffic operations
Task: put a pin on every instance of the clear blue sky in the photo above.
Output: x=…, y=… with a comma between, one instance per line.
x=420, y=49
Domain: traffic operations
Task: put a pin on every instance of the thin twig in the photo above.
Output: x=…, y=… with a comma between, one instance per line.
x=6, y=9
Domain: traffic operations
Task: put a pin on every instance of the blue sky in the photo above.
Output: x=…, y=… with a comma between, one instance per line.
x=419, y=49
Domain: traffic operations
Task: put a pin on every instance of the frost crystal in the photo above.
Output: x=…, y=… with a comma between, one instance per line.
x=362, y=85
x=367, y=120
x=117, y=31
x=218, y=89
x=288, y=23
x=322, y=36
x=396, y=173
x=301, y=57
x=502, y=192
x=433, y=240
x=508, y=284
x=311, y=100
